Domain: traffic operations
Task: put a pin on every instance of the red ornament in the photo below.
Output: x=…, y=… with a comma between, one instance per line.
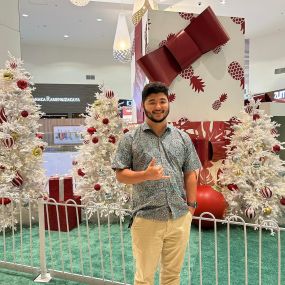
x=22, y=84
x=256, y=117
x=125, y=131
x=276, y=148
x=266, y=192
x=97, y=187
x=232, y=187
x=80, y=172
x=282, y=201
x=91, y=130
x=105, y=121
x=3, y=117
x=212, y=201
x=112, y=139
x=24, y=114
x=95, y=140
x=17, y=180
x=39, y=136
x=5, y=201
x=250, y=212
x=8, y=142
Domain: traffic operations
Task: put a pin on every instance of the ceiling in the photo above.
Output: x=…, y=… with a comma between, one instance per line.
x=50, y=20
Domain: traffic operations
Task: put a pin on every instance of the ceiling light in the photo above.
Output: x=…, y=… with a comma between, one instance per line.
x=122, y=42
x=223, y=2
x=25, y=15
x=66, y=36
x=80, y=2
x=99, y=20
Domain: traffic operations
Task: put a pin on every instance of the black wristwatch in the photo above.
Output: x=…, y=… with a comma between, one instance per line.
x=192, y=204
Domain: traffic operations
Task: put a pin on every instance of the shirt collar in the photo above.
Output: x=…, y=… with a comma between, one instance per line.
x=145, y=127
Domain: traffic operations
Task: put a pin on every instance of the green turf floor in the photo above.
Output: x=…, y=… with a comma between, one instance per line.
x=80, y=242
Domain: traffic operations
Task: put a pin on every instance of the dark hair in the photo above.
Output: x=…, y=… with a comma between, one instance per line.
x=154, y=88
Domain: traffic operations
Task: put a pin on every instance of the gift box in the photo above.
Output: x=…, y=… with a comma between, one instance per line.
x=67, y=215
x=61, y=188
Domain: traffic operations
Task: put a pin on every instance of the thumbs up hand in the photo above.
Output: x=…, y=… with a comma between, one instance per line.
x=155, y=172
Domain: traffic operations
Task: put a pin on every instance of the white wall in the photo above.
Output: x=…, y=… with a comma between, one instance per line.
x=9, y=30
x=50, y=64
x=266, y=54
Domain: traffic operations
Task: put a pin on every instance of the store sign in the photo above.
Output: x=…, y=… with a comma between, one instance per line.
x=279, y=95
x=57, y=99
x=125, y=102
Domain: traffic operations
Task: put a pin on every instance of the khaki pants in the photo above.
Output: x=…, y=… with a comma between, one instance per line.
x=163, y=241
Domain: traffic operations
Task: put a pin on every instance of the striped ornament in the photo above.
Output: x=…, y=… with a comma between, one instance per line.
x=17, y=180
x=8, y=142
x=266, y=192
x=109, y=94
x=3, y=117
x=250, y=213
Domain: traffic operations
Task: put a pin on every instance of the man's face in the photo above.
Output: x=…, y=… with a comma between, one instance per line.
x=156, y=107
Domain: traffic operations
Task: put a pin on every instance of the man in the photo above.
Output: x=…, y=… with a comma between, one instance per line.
x=160, y=161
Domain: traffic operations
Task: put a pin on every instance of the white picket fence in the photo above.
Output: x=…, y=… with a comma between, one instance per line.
x=98, y=250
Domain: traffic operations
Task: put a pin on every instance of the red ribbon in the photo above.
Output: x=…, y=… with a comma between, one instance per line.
x=203, y=34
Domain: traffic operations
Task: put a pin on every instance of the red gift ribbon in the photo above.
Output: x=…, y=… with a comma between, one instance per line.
x=203, y=34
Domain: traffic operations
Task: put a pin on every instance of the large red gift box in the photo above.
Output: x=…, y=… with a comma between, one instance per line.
x=66, y=222
x=61, y=188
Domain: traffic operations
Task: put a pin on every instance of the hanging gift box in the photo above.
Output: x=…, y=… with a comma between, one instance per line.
x=61, y=188
x=63, y=217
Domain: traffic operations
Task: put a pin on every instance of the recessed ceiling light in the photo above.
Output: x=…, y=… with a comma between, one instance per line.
x=99, y=20
x=25, y=15
x=66, y=36
x=223, y=2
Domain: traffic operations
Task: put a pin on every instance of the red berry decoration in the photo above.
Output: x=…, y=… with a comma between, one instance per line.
x=276, y=148
x=97, y=187
x=125, y=131
x=282, y=201
x=112, y=139
x=22, y=84
x=233, y=187
x=39, y=136
x=256, y=117
x=95, y=140
x=24, y=114
x=105, y=121
x=91, y=130
x=80, y=172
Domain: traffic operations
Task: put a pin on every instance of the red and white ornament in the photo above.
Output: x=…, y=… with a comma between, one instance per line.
x=17, y=180
x=3, y=117
x=250, y=212
x=22, y=84
x=39, y=136
x=5, y=201
x=8, y=142
x=232, y=187
x=266, y=192
x=109, y=94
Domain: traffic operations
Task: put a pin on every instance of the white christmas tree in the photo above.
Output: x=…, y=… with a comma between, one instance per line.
x=21, y=170
x=95, y=179
x=251, y=175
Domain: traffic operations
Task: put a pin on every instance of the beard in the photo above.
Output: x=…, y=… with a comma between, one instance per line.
x=150, y=116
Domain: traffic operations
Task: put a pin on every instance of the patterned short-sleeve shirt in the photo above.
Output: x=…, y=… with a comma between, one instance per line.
x=160, y=199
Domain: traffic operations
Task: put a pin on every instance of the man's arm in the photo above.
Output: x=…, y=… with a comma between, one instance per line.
x=152, y=172
x=190, y=181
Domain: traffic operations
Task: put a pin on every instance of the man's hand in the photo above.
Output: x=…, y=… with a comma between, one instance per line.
x=154, y=172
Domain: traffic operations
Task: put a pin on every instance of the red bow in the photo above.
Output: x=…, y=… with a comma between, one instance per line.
x=203, y=34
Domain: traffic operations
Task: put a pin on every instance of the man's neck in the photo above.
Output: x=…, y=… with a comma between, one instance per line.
x=157, y=128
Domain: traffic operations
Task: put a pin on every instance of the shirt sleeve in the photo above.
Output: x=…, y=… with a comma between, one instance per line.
x=191, y=161
x=123, y=155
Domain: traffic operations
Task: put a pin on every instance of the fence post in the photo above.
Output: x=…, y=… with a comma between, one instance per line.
x=44, y=277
